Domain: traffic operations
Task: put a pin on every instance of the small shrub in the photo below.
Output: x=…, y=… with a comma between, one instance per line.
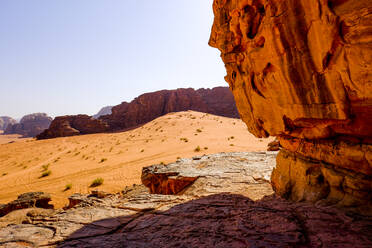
x=197, y=149
x=103, y=160
x=162, y=162
x=4, y=174
x=184, y=139
x=205, y=148
x=96, y=182
x=46, y=173
x=68, y=187
x=199, y=130
x=231, y=144
x=142, y=150
x=45, y=167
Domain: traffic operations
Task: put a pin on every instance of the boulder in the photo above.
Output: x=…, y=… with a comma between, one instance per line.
x=301, y=71
x=30, y=125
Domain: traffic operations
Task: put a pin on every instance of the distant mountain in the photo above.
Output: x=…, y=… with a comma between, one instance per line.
x=5, y=121
x=149, y=106
x=145, y=108
x=30, y=125
x=104, y=111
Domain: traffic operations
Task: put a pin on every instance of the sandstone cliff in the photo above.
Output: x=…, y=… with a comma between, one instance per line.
x=30, y=125
x=5, y=121
x=149, y=106
x=301, y=70
x=145, y=108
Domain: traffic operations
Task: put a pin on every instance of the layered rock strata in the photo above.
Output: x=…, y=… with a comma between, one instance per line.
x=27, y=200
x=145, y=108
x=211, y=212
x=301, y=71
x=149, y=106
x=30, y=125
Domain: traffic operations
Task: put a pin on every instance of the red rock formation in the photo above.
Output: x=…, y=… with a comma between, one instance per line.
x=149, y=106
x=301, y=70
x=30, y=125
x=73, y=125
x=145, y=108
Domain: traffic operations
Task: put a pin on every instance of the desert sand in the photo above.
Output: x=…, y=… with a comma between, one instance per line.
x=118, y=158
x=10, y=138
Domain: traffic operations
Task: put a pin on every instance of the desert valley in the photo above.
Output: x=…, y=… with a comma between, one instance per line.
x=282, y=157
x=117, y=158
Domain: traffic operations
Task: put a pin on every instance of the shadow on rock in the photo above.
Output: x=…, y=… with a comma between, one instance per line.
x=228, y=220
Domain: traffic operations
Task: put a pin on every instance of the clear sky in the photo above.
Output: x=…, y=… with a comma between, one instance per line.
x=76, y=56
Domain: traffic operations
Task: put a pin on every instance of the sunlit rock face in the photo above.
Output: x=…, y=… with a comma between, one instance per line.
x=301, y=70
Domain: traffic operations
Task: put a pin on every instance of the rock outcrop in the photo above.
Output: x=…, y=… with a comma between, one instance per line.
x=149, y=106
x=145, y=108
x=30, y=125
x=5, y=121
x=104, y=111
x=301, y=71
x=71, y=125
x=27, y=200
x=211, y=212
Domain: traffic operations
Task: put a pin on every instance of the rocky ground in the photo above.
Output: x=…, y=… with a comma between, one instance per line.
x=218, y=204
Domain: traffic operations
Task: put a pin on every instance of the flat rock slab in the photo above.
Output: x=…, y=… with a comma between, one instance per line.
x=215, y=211
x=204, y=175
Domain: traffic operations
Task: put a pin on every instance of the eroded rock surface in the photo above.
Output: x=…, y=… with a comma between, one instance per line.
x=209, y=213
x=229, y=172
x=301, y=70
x=27, y=200
x=30, y=125
x=71, y=125
x=149, y=106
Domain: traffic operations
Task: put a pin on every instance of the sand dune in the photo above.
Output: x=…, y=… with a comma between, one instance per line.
x=116, y=157
x=10, y=138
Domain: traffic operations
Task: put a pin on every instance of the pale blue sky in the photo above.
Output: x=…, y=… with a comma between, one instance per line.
x=76, y=56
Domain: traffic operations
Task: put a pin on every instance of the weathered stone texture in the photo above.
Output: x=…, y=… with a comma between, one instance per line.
x=302, y=70
x=216, y=210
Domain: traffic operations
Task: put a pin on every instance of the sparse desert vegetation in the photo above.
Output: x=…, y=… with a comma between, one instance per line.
x=80, y=159
x=197, y=149
x=97, y=182
x=68, y=187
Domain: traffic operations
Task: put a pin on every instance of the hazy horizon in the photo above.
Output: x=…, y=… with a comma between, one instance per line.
x=75, y=57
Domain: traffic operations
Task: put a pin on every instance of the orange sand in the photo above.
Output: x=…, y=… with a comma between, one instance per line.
x=116, y=157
